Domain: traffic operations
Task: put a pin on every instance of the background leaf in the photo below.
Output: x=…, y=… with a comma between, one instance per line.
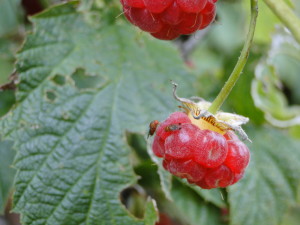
x=193, y=209
x=271, y=180
x=9, y=16
x=72, y=156
x=275, y=87
x=164, y=176
x=6, y=173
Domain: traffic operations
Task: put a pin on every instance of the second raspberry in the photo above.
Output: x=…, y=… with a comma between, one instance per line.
x=168, y=19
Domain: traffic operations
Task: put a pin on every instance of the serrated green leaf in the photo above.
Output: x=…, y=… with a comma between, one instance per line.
x=6, y=172
x=271, y=180
x=192, y=208
x=72, y=156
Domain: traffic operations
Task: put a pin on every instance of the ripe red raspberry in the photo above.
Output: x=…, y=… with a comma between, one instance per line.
x=168, y=19
x=164, y=219
x=204, y=157
x=213, y=149
x=162, y=134
x=238, y=156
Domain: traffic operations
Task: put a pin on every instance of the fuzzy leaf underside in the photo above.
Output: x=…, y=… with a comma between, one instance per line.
x=72, y=158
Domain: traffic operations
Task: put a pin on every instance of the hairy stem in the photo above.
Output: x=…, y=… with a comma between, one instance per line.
x=286, y=15
x=217, y=103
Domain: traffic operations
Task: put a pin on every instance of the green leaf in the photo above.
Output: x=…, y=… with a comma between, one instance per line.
x=73, y=159
x=192, y=208
x=151, y=212
x=292, y=216
x=213, y=195
x=271, y=180
x=9, y=16
x=7, y=58
x=228, y=34
x=6, y=173
x=164, y=176
x=276, y=76
x=284, y=55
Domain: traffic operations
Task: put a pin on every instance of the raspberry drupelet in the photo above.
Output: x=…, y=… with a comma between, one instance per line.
x=202, y=150
x=168, y=19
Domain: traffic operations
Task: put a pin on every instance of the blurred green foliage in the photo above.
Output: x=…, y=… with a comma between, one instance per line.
x=267, y=93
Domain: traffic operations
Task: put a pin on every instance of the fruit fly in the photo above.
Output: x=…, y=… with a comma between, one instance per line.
x=152, y=127
x=173, y=127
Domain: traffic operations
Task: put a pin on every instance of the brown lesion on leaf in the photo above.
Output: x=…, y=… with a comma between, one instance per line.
x=11, y=85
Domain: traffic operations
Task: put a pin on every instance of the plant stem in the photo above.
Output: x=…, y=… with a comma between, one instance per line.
x=286, y=15
x=217, y=103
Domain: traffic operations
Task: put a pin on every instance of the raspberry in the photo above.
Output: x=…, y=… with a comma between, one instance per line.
x=192, y=6
x=181, y=144
x=213, y=149
x=164, y=219
x=185, y=169
x=238, y=156
x=157, y=6
x=204, y=157
x=219, y=177
x=174, y=118
x=168, y=19
x=161, y=133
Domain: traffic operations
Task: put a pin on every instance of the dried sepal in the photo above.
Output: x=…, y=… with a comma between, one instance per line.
x=220, y=122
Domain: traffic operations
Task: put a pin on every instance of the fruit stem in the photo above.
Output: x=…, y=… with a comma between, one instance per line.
x=217, y=103
x=286, y=15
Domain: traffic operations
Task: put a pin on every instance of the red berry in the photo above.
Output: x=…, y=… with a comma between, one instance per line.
x=238, y=156
x=202, y=183
x=168, y=19
x=158, y=146
x=219, y=177
x=172, y=15
x=237, y=177
x=166, y=33
x=185, y=169
x=190, y=23
x=192, y=6
x=181, y=144
x=174, y=118
x=209, y=8
x=211, y=149
x=207, y=19
x=157, y=6
x=164, y=219
x=145, y=20
x=203, y=157
x=134, y=3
